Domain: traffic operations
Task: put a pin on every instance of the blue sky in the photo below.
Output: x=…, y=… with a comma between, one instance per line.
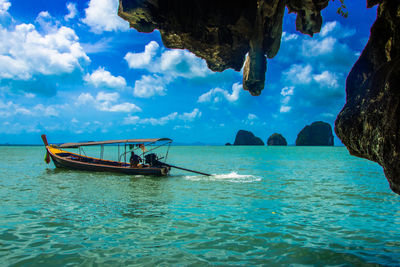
x=75, y=71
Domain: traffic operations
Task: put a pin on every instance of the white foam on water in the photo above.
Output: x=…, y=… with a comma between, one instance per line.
x=233, y=177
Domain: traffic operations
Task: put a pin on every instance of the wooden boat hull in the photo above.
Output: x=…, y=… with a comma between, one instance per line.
x=124, y=168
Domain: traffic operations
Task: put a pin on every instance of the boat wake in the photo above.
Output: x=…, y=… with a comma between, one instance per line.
x=233, y=177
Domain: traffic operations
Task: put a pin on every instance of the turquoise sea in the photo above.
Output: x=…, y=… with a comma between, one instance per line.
x=263, y=206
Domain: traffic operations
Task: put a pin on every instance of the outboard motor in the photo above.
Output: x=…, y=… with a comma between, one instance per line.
x=151, y=159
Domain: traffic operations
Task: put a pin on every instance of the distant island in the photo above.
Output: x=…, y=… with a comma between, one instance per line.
x=276, y=139
x=246, y=138
x=319, y=133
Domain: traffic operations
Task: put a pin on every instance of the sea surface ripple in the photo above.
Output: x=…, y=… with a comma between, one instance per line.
x=262, y=206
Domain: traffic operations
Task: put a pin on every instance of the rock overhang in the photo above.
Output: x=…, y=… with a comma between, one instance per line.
x=227, y=34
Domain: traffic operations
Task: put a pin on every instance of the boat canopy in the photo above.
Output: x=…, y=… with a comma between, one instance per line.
x=131, y=141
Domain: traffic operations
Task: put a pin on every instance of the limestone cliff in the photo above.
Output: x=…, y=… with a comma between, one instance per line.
x=369, y=122
x=319, y=133
x=246, y=138
x=276, y=140
x=223, y=32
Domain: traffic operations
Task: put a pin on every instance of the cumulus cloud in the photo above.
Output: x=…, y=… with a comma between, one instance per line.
x=72, y=11
x=327, y=78
x=143, y=59
x=25, y=52
x=318, y=75
x=317, y=47
x=4, y=6
x=288, y=37
x=252, y=117
x=103, y=78
x=172, y=63
x=285, y=109
x=186, y=116
x=217, y=94
x=47, y=111
x=190, y=116
x=106, y=102
x=165, y=66
x=150, y=85
x=181, y=63
x=152, y=121
x=101, y=45
x=9, y=109
x=329, y=48
x=5, y=17
x=101, y=16
x=299, y=74
x=286, y=94
x=336, y=29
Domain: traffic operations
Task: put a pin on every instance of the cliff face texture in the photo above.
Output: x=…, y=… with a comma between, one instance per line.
x=223, y=32
x=369, y=123
x=319, y=133
x=276, y=140
x=246, y=138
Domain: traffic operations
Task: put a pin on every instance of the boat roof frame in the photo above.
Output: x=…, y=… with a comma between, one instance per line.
x=126, y=141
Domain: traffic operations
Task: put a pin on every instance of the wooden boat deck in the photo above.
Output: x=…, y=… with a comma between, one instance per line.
x=66, y=159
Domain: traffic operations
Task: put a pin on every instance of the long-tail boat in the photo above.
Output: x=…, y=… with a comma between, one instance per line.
x=151, y=162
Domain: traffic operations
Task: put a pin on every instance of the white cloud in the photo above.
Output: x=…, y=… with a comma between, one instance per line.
x=217, y=94
x=172, y=63
x=84, y=98
x=287, y=92
x=11, y=109
x=322, y=50
x=101, y=15
x=328, y=115
x=4, y=6
x=107, y=97
x=17, y=128
x=103, y=78
x=46, y=21
x=288, y=37
x=299, y=74
x=47, y=111
x=153, y=121
x=327, y=28
x=334, y=28
x=251, y=117
x=186, y=116
x=165, y=66
x=103, y=45
x=29, y=95
x=72, y=11
x=190, y=116
x=326, y=78
x=181, y=63
x=106, y=102
x=25, y=52
x=43, y=15
x=150, y=85
x=143, y=59
x=124, y=107
x=315, y=47
x=285, y=109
